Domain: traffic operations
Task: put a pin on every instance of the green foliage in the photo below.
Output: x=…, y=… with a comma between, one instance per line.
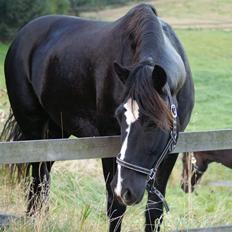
x=77, y=6
x=15, y=13
x=59, y=6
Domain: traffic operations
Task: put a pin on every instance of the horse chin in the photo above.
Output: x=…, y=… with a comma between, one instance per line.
x=131, y=203
x=126, y=202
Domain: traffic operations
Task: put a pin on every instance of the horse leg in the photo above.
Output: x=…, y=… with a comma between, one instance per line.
x=154, y=208
x=40, y=185
x=115, y=210
x=31, y=122
x=39, y=188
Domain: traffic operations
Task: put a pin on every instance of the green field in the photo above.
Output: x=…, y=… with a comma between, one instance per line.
x=210, y=54
x=204, y=13
x=77, y=201
x=3, y=49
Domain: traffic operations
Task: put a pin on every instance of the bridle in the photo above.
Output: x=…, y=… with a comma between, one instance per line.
x=196, y=169
x=151, y=173
x=191, y=169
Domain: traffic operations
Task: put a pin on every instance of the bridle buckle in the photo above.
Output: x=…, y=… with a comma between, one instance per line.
x=174, y=111
x=151, y=175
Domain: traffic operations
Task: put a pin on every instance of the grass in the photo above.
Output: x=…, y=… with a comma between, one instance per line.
x=3, y=49
x=177, y=12
x=4, y=104
x=77, y=203
x=197, y=9
x=210, y=54
x=77, y=199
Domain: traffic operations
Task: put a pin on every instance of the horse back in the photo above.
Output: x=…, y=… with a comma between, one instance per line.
x=220, y=156
x=62, y=61
x=48, y=42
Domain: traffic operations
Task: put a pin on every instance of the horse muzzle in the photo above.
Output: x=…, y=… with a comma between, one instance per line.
x=129, y=193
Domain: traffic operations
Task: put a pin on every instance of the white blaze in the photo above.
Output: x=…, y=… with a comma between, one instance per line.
x=131, y=114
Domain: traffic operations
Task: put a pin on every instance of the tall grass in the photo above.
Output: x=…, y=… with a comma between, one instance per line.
x=77, y=203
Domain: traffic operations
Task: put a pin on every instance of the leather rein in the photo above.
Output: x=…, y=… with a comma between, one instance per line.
x=151, y=173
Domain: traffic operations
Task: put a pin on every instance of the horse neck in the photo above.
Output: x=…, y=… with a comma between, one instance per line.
x=203, y=158
x=150, y=42
x=221, y=156
x=145, y=34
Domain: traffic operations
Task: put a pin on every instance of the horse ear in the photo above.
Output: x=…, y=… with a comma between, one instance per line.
x=159, y=78
x=121, y=71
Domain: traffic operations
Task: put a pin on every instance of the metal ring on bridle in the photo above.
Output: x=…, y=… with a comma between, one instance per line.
x=174, y=111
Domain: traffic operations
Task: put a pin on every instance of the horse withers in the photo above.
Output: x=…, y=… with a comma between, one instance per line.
x=195, y=165
x=71, y=76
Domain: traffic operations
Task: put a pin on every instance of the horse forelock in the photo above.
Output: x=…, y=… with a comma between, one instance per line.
x=140, y=88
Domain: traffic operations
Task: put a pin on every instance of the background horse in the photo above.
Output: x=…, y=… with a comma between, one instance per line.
x=69, y=76
x=195, y=164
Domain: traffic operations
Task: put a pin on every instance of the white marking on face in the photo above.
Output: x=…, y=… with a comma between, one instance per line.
x=131, y=114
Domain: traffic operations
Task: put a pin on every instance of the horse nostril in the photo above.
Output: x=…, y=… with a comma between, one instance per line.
x=128, y=197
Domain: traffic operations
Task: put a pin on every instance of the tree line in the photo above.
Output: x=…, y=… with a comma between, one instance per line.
x=15, y=13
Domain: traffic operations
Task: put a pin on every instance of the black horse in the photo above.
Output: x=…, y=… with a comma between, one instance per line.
x=195, y=165
x=70, y=76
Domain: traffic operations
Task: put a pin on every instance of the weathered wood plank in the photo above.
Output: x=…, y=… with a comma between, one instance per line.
x=210, y=229
x=58, y=149
x=102, y=147
x=5, y=219
x=204, y=141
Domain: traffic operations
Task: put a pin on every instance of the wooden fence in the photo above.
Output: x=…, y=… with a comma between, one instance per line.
x=102, y=147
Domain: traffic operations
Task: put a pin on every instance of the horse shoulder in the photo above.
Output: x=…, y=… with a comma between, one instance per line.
x=182, y=83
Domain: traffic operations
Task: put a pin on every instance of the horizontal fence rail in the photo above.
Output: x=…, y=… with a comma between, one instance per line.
x=102, y=147
x=209, y=229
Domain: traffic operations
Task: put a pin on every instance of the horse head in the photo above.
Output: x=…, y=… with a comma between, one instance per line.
x=145, y=120
x=194, y=166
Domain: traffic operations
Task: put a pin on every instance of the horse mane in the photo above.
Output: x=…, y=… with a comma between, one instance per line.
x=140, y=87
x=143, y=30
x=143, y=34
